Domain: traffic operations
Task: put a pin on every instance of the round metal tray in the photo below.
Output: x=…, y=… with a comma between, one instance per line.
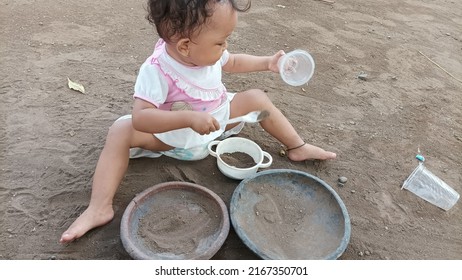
x=289, y=214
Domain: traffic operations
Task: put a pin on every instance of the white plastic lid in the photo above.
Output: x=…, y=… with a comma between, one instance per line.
x=296, y=67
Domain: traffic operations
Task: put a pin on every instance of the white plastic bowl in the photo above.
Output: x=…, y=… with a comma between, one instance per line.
x=239, y=144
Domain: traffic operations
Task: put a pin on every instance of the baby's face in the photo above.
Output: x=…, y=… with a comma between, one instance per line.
x=208, y=46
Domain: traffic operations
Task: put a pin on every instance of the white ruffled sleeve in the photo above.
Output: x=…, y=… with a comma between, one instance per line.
x=151, y=85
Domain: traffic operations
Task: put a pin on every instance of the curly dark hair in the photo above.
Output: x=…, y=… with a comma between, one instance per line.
x=183, y=17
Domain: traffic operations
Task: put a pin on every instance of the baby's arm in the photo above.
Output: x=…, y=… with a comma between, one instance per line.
x=148, y=118
x=240, y=63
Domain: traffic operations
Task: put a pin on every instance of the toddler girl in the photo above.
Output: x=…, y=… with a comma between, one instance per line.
x=180, y=102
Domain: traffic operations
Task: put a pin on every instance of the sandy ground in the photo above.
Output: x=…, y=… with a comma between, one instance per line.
x=51, y=136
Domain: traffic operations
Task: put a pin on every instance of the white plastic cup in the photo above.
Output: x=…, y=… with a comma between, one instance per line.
x=428, y=186
x=296, y=67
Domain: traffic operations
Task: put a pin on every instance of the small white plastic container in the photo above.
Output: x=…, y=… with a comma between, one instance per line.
x=428, y=186
x=296, y=67
x=239, y=144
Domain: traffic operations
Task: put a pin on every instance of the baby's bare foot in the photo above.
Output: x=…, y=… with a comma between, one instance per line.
x=310, y=152
x=88, y=220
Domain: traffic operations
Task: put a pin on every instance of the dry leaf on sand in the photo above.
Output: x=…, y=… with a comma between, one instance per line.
x=75, y=86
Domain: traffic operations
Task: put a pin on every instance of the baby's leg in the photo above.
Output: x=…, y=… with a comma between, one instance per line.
x=277, y=125
x=110, y=169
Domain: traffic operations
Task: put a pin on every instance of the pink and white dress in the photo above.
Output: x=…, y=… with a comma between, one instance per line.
x=165, y=83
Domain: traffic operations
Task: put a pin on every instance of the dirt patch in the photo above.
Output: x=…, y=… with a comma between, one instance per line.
x=238, y=159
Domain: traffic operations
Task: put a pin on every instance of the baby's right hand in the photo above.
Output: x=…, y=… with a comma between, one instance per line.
x=204, y=123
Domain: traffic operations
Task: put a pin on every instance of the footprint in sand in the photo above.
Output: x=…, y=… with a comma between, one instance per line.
x=268, y=209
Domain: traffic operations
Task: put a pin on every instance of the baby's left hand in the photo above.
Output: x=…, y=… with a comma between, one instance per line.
x=273, y=64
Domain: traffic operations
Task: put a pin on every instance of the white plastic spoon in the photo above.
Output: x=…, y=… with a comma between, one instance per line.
x=252, y=117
